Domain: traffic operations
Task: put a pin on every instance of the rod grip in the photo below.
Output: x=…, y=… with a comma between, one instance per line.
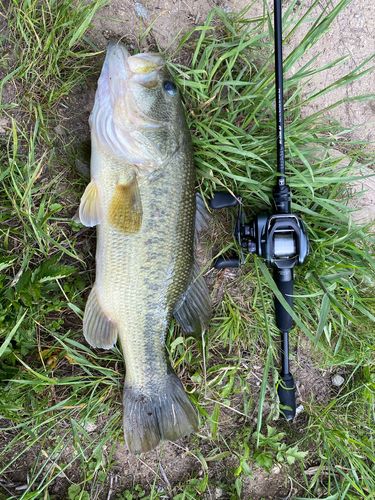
x=287, y=396
x=284, y=320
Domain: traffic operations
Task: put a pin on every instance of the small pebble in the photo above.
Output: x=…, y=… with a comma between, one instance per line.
x=218, y=492
x=227, y=9
x=140, y=10
x=337, y=380
x=91, y=427
x=299, y=409
x=4, y=122
x=276, y=469
x=59, y=130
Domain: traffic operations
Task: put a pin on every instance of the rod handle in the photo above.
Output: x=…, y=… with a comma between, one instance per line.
x=287, y=396
x=284, y=320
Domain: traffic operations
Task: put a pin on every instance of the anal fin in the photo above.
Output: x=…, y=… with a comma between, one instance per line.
x=193, y=311
x=98, y=328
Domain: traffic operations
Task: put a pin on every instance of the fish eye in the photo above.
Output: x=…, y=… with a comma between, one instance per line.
x=170, y=87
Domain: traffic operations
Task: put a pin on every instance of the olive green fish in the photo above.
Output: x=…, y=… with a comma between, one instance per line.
x=141, y=198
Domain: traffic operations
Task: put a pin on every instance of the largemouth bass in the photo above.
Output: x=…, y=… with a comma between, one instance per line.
x=141, y=198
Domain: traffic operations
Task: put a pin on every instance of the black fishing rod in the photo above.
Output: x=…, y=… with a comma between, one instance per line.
x=280, y=238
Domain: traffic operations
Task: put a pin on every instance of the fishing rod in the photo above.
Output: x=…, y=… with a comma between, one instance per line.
x=280, y=238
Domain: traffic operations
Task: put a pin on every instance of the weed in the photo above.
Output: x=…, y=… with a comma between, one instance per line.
x=75, y=493
x=271, y=448
x=136, y=493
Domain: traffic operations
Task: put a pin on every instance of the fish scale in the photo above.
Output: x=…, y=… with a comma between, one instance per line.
x=145, y=212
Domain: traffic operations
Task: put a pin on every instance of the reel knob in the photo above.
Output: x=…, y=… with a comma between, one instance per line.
x=223, y=263
x=222, y=200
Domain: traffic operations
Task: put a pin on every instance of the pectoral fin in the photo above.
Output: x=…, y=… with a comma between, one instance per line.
x=98, y=328
x=90, y=209
x=125, y=211
x=193, y=312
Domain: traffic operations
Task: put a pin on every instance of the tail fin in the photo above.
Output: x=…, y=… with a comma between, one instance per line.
x=148, y=418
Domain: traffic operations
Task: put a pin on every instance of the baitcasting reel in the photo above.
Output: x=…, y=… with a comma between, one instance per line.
x=280, y=238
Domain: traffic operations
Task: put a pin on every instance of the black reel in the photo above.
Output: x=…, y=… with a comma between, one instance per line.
x=280, y=239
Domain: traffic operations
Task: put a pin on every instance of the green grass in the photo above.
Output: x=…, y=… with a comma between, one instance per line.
x=51, y=48
x=53, y=386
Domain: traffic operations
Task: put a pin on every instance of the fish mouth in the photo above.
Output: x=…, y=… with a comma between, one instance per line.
x=144, y=63
x=123, y=68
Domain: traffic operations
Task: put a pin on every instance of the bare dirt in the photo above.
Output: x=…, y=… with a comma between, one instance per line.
x=352, y=35
x=170, y=19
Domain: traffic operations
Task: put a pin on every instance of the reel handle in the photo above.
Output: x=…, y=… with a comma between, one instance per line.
x=222, y=200
x=223, y=263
